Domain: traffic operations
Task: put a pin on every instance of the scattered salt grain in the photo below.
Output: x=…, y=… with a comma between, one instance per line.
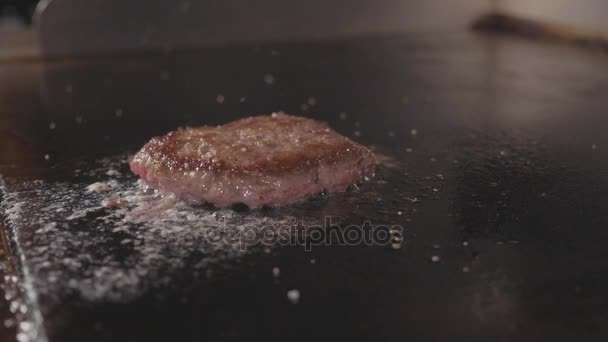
x=22, y=337
x=25, y=326
x=9, y=323
x=312, y=101
x=343, y=116
x=466, y=269
x=593, y=146
x=414, y=131
x=47, y=157
x=269, y=79
x=113, y=173
x=276, y=272
x=465, y=243
x=78, y=119
x=114, y=202
x=220, y=99
x=101, y=186
x=399, y=213
x=52, y=125
x=313, y=261
x=409, y=150
x=118, y=113
x=293, y=296
x=69, y=88
x=435, y=258
x=357, y=133
x=242, y=99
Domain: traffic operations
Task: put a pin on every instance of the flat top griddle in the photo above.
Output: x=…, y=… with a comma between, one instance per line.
x=491, y=160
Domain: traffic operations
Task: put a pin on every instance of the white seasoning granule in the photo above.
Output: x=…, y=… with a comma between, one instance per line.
x=435, y=258
x=269, y=79
x=276, y=272
x=293, y=296
x=113, y=173
x=101, y=186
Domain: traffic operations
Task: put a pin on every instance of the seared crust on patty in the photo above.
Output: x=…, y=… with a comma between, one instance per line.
x=257, y=149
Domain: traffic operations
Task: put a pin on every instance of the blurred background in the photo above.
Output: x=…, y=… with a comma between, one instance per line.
x=65, y=27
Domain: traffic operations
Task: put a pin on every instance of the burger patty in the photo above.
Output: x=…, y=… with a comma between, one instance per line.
x=263, y=160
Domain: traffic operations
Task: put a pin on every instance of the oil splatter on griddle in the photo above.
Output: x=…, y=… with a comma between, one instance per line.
x=492, y=164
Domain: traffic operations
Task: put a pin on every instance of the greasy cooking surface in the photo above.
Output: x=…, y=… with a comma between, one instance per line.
x=492, y=161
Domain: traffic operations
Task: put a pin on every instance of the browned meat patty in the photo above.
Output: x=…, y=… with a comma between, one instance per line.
x=263, y=160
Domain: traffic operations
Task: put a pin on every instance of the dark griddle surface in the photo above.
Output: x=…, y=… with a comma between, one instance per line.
x=508, y=156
